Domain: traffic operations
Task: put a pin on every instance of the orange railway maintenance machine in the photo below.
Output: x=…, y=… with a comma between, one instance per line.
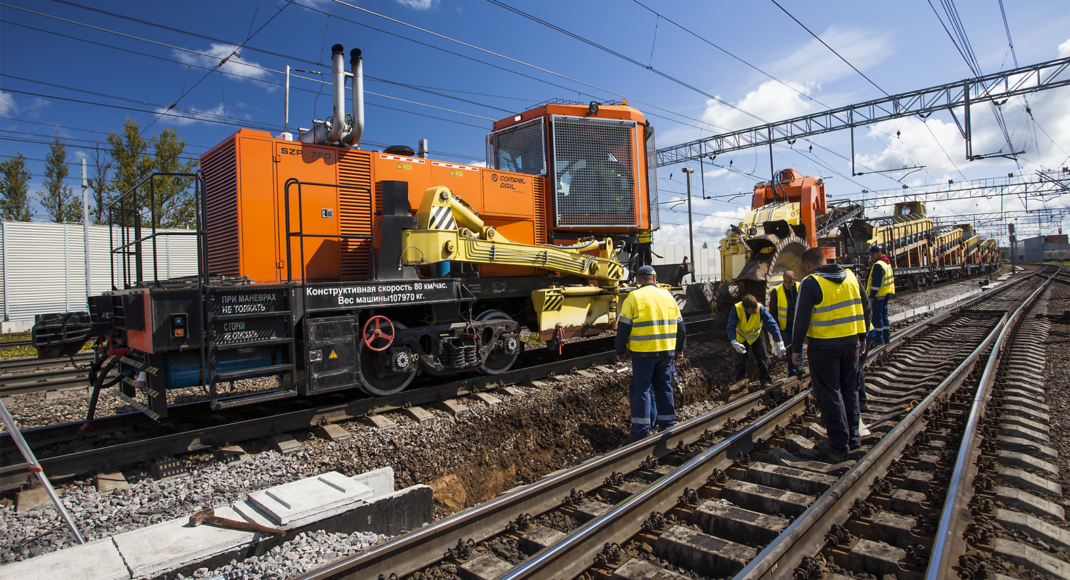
x=326, y=267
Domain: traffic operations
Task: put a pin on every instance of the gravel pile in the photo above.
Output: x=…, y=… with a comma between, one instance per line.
x=301, y=554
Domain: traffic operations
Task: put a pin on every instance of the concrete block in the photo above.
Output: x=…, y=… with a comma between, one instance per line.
x=1037, y=449
x=285, y=443
x=626, y=490
x=892, y=528
x=590, y=510
x=99, y=560
x=915, y=481
x=485, y=567
x=232, y=454
x=538, y=539
x=642, y=570
x=488, y=398
x=28, y=499
x=764, y=499
x=781, y=456
x=379, y=422
x=1023, y=461
x=513, y=391
x=539, y=384
x=1029, y=503
x=1028, y=556
x=53, y=395
x=159, y=549
x=452, y=406
x=1034, y=527
x=1022, y=411
x=1030, y=482
x=704, y=554
x=789, y=478
x=381, y=481
x=420, y=414
x=745, y=526
x=110, y=481
x=798, y=444
x=1009, y=430
x=299, y=500
x=1023, y=422
x=875, y=558
x=908, y=502
x=332, y=432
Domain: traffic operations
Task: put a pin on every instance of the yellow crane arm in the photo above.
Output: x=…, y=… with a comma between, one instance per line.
x=438, y=239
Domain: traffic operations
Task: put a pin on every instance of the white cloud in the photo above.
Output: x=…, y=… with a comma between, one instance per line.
x=418, y=4
x=8, y=106
x=862, y=48
x=1064, y=49
x=772, y=101
x=79, y=155
x=235, y=65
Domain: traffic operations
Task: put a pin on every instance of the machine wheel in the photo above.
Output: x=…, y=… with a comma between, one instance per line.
x=499, y=363
x=370, y=381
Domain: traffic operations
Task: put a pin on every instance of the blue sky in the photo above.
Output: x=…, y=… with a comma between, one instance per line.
x=82, y=76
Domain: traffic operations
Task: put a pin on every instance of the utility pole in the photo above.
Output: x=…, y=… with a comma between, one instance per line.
x=85, y=230
x=690, y=228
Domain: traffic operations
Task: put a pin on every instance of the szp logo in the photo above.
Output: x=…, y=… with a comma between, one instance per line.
x=494, y=177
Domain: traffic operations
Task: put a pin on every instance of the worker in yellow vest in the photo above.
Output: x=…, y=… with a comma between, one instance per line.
x=651, y=329
x=745, y=323
x=645, y=242
x=880, y=287
x=831, y=316
x=782, y=300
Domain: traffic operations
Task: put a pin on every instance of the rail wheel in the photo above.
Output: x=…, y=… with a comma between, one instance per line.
x=371, y=361
x=498, y=363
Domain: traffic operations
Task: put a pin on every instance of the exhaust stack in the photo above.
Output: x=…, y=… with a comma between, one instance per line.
x=338, y=124
x=356, y=65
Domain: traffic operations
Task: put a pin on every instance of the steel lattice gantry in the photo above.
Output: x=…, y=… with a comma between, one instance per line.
x=1044, y=186
x=988, y=88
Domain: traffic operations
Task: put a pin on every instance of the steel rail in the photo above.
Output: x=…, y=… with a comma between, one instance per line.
x=806, y=535
x=573, y=555
x=960, y=490
x=67, y=378
x=410, y=552
x=32, y=363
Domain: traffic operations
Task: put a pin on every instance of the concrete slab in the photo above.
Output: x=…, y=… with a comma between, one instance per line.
x=485, y=567
x=488, y=398
x=1036, y=404
x=764, y=499
x=745, y=526
x=1023, y=461
x=916, y=481
x=704, y=554
x=297, y=500
x=538, y=539
x=539, y=384
x=381, y=481
x=28, y=499
x=1023, y=422
x=1029, y=482
x=1030, y=557
x=99, y=560
x=452, y=406
x=1022, y=411
x=420, y=414
x=232, y=454
x=379, y=422
x=332, y=432
x=285, y=443
x=891, y=528
x=513, y=391
x=626, y=490
x=781, y=456
x=1029, y=503
x=642, y=570
x=590, y=510
x=158, y=549
x=1039, y=450
x=789, y=478
x=905, y=501
x=110, y=481
x=1008, y=430
x=1034, y=527
x=875, y=558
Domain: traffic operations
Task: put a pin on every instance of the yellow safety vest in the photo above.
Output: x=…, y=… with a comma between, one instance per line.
x=747, y=331
x=840, y=312
x=653, y=314
x=781, y=307
x=645, y=237
x=887, y=282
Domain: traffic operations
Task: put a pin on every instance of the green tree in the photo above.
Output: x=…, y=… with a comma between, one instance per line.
x=102, y=164
x=59, y=201
x=705, y=245
x=15, y=190
x=176, y=206
x=129, y=150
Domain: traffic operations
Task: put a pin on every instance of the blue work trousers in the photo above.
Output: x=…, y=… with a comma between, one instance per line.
x=834, y=376
x=651, y=376
x=882, y=329
x=785, y=333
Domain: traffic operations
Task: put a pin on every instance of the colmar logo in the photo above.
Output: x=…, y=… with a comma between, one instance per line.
x=494, y=177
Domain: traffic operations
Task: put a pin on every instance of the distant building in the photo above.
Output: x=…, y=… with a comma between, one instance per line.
x=1032, y=249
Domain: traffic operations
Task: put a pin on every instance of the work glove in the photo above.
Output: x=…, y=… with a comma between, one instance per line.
x=739, y=347
x=780, y=350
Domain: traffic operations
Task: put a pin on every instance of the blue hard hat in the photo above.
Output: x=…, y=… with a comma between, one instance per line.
x=647, y=271
x=876, y=249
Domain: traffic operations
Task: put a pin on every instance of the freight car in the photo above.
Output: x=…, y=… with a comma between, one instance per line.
x=330, y=267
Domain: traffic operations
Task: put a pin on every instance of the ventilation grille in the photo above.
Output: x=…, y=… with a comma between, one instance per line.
x=356, y=210
x=594, y=173
x=521, y=148
x=220, y=170
x=540, y=210
x=652, y=180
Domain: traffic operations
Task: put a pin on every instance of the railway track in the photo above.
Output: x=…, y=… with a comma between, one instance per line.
x=6, y=344
x=737, y=491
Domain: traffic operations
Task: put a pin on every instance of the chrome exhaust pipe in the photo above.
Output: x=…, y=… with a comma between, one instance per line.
x=356, y=65
x=338, y=123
